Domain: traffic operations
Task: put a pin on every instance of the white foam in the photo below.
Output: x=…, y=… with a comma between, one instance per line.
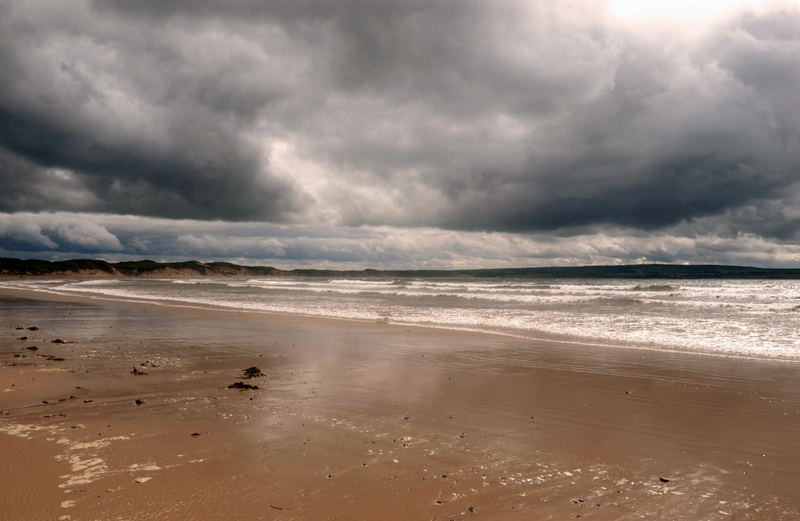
x=729, y=317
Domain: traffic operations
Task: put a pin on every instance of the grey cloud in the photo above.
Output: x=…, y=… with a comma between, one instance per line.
x=510, y=116
x=137, y=116
x=621, y=128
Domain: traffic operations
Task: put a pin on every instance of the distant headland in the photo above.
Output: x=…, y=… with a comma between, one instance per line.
x=95, y=268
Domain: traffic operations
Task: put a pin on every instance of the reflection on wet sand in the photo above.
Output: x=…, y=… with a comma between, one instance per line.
x=372, y=421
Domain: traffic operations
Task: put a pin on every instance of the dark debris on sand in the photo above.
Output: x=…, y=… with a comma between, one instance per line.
x=137, y=372
x=52, y=358
x=252, y=372
x=242, y=385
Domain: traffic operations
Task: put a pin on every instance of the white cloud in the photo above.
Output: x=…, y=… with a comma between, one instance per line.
x=115, y=237
x=225, y=246
x=86, y=234
x=679, y=11
x=54, y=231
x=23, y=231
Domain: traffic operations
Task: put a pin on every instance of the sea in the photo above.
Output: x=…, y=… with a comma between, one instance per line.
x=732, y=318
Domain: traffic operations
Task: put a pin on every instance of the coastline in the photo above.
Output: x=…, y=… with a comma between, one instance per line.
x=531, y=335
x=369, y=420
x=98, y=268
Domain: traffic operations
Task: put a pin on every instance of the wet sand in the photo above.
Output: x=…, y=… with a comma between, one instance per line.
x=356, y=420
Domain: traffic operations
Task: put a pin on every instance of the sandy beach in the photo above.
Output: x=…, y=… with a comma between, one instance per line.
x=361, y=420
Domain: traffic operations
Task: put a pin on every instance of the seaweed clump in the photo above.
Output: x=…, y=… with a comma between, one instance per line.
x=241, y=385
x=251, y=372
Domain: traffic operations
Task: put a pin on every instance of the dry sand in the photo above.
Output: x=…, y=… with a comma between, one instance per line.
x=363, y=421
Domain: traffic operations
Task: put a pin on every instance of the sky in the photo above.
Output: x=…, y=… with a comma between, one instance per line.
x=401, y=133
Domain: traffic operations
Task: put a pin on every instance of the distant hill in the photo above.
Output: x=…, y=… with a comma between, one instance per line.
x=145, y=268
x=93, y=268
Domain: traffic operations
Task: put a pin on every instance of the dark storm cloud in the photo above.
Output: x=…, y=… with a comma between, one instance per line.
x=199, y=173
x=130, y=120
x=515, y=116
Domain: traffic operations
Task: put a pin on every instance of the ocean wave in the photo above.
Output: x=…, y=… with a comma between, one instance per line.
x=654, y=287
x=618, y=301
x=725, y=317
x=96, y=282
x=360, y=282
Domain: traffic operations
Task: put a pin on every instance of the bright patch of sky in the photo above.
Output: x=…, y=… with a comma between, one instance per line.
x=682, y=11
